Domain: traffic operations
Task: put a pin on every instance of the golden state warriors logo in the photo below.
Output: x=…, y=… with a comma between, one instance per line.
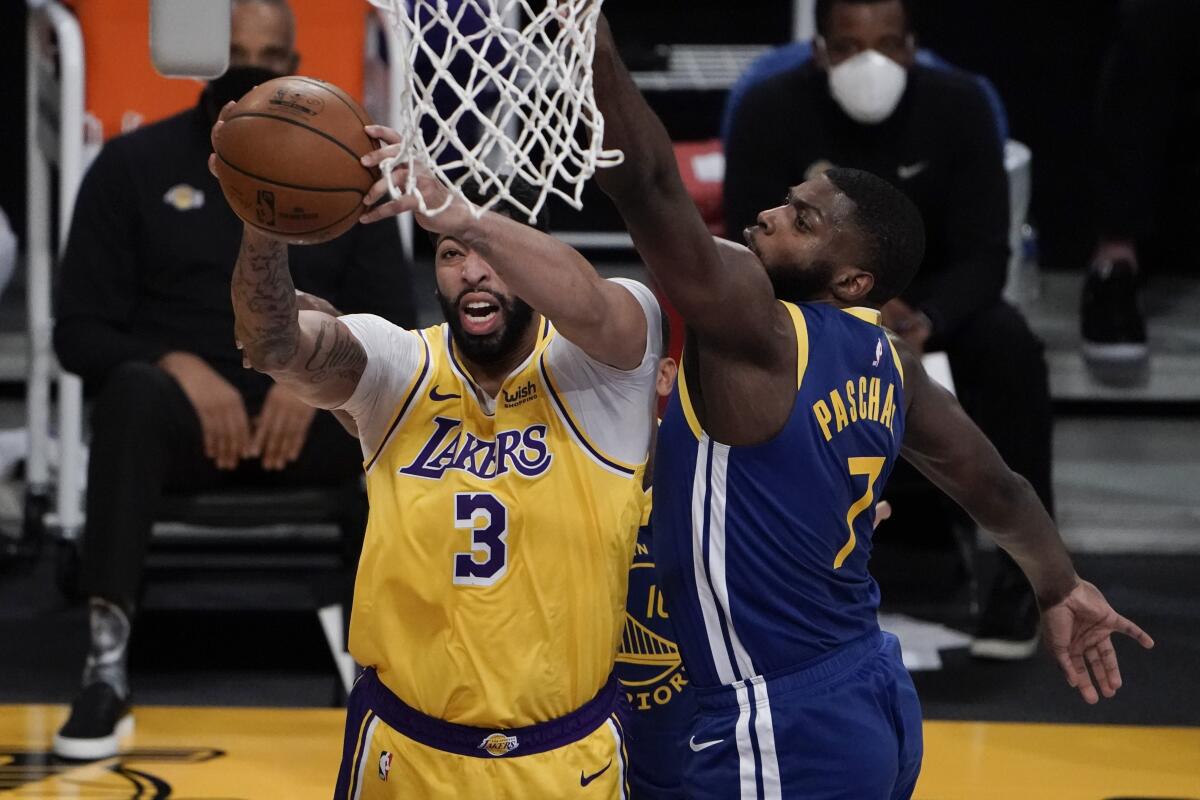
x=648, y=662
x=497, y=744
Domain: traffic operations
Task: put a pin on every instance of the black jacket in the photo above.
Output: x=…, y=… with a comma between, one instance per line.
x=941, y=147
x=151, y=251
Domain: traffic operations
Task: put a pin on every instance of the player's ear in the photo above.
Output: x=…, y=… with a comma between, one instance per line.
x=294, y=68
x=852, y=285
x=668, y=371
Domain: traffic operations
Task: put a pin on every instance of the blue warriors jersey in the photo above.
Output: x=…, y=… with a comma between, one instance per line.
x=763, y=550
x=651, y=672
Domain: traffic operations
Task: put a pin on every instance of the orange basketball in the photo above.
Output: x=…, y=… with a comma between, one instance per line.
x=288, y=159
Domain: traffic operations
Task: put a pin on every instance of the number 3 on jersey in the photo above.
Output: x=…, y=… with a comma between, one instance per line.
x=870, y=466
x=487, y=561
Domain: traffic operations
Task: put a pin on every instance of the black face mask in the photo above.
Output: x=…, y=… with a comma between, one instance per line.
x=233, y=85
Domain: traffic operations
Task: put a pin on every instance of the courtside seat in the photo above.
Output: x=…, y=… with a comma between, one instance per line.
x=289, y=548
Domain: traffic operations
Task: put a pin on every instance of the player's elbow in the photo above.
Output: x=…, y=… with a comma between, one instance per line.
x=271, y=355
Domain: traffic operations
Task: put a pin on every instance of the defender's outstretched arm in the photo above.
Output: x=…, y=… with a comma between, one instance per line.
x=943, y=443
x=730, y=307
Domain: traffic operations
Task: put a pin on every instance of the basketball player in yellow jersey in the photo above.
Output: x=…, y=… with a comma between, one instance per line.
x=504, y=453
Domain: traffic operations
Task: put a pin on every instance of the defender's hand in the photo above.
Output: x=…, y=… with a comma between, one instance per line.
x=280, y=429
x=219, y=406
x=1078, y=631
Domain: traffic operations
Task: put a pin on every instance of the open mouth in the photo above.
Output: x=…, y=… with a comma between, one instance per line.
x=479, y=314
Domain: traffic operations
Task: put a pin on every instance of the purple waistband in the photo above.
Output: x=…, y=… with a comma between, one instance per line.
x=467, y=740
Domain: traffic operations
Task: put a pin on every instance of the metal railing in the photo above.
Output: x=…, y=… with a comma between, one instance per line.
x=55, y=128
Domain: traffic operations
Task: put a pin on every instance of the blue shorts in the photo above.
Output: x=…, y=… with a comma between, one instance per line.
x=846, y=726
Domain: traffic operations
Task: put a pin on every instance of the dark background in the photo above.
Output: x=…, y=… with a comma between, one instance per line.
x=1044, y=58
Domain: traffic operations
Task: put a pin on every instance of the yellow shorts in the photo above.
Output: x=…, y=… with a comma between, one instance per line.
x=393, y=751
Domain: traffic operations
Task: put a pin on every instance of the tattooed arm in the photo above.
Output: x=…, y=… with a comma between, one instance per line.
x=310, y=352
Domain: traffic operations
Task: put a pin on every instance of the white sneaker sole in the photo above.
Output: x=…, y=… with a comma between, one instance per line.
x=1117, y=353
x=1004, y=649
x=94, y=749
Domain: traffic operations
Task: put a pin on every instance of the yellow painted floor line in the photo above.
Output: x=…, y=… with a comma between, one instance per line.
x=262, y=754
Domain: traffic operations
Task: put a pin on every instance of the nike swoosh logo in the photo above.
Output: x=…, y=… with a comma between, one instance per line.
x=437, y=397
x=697, y=747
x=584, y=781
x=911, y=170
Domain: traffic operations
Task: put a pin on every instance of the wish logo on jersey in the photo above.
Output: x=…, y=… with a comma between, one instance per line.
x=648, y=662
x=451, y=448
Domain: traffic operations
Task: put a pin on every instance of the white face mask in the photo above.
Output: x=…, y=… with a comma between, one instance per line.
x=868, y=86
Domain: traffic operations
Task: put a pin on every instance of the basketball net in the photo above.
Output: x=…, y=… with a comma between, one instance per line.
x=494, y=90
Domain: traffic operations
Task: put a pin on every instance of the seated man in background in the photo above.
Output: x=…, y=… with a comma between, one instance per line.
x=144, y=316
x=862, y=102
x=1147, y=123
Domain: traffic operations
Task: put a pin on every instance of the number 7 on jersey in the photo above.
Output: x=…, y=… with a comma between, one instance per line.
x=870, y=466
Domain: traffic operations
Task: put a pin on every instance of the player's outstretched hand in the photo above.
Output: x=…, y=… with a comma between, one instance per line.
x=1078, y=630
x=212, y=136
x=454, y=216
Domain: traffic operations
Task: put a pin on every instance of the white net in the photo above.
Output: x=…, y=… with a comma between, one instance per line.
x=497, y=90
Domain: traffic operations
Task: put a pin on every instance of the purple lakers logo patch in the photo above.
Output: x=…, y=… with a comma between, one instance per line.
x=497, y=744
x=449, y=447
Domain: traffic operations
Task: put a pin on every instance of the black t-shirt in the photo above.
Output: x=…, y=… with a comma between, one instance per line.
x=151, y=252
x=941, y=147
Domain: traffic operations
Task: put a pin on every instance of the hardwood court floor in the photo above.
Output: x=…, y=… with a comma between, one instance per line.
x=191, y=753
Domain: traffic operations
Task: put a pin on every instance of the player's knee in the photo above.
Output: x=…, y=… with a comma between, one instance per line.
x=999, y=341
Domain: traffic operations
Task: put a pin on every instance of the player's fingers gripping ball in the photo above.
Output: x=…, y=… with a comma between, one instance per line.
x=288, y=159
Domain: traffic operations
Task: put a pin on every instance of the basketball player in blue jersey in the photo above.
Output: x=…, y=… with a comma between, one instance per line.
x=792, y=407
x=504, y=452
x=648, y=661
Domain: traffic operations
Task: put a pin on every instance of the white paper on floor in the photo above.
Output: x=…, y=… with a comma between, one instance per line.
x=922, y=641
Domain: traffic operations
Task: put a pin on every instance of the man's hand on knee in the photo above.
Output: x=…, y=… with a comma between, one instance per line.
x=222, y=412
x=280, y=429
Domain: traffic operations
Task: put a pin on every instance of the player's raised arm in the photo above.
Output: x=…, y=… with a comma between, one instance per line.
x=599, y=316
x=312, y=353
x=728, y=303
x=944, y=444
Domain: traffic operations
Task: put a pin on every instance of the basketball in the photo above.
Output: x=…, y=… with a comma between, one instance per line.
x=288, y=159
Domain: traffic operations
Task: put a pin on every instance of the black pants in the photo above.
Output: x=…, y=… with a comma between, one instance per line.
x=147, y=441
x=1148, y=120
x=999, y=369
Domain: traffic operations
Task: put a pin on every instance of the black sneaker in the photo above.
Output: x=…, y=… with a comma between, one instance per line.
x=99, y=719
x=1008, y=625
x=1113, y=327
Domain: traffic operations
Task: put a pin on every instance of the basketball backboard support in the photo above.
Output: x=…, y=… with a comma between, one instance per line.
x=190, y=38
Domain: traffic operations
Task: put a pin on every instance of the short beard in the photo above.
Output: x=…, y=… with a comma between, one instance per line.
x=797, y=284
x=496, y=345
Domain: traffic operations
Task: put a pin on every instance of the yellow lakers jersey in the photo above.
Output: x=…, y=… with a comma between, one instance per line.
x=491, y=589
